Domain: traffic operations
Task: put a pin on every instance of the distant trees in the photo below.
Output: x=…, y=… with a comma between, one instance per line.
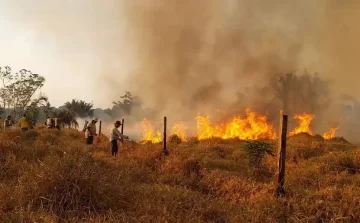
x=47, y=109
x=125, y=106
x=17, y=90
x=298, y=93
x=80, y=108
x=68, y=118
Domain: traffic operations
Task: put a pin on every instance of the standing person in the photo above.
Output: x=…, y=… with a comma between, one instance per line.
x=24, y=123
x=115, y=135
x=8, y=123
x=57, y=123
x=49, y=122
x=91, y=131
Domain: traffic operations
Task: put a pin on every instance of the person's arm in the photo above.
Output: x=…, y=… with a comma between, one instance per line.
x=122, y=136
x=119, y=135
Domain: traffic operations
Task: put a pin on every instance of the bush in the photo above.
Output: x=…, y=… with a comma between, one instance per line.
x=256, y=151
x=175, y=139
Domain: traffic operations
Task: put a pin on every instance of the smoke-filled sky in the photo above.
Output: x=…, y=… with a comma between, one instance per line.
x=178, y=54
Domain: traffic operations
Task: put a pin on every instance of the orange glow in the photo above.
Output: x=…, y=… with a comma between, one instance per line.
x=330, y=134
x=149, y=134
x=304, y=124
x=253, y=126
x=179, y=129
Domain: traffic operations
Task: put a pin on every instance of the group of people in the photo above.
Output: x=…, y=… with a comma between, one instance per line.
x=52, y=123
x=23, y=123
x=114, y=136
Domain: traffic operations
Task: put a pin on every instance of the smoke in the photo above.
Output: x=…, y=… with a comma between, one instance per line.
x=196, y=56
x=207, y=56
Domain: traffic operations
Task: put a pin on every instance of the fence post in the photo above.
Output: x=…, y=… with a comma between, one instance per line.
x=282, y=152
x=100, y=128
x=122, y=129
x=165, y=152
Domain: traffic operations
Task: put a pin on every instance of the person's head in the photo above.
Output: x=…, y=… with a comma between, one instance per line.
x=8, y=117
x=95, y=120
x=117, y=124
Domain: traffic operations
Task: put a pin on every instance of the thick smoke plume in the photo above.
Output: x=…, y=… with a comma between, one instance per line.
x=195, y=56
x=214, y=56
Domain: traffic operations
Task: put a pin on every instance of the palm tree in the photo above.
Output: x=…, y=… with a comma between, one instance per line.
x=47, y=109
x=80, y=108
x=67, y=118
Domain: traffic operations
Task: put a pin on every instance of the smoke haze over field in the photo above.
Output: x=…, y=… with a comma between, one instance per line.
x=181, y=57
x=195, y=56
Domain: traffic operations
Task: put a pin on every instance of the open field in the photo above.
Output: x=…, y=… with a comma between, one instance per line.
x=51, y=176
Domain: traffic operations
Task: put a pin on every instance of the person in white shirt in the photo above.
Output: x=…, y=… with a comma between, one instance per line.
x=115, y=135
x=91, y=131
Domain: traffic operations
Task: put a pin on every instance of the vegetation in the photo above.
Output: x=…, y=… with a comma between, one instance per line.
x=52, y=176
x=80, y=108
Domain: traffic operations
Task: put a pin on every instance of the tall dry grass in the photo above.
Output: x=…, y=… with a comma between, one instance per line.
x=52, y=176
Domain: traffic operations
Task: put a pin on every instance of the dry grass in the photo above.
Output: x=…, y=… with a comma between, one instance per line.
x=52, y=176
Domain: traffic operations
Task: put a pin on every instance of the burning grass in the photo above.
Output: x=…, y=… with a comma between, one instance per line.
x=52, y=176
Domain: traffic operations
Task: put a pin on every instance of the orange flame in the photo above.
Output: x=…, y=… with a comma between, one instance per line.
x=304, y=124
x=179, y=129
x=254, y=126
x=330, y=134
x=149, y=134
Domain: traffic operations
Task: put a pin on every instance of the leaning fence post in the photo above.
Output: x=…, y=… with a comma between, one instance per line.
x=100, y=127
x=282, y=152
x=122, y=129
x=165, y=152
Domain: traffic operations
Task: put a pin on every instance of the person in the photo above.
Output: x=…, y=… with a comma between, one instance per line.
x=57, y=123
x=91, y=131
x=8, y=123
x=115, y=135
x=49, y=122
x=24, y=123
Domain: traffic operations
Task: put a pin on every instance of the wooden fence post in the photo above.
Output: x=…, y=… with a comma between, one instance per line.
x=100, y=128
x=280, y=191
x=165, y=152
x=122, y=129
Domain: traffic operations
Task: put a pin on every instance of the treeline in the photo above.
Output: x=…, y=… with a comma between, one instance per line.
x=19, y=95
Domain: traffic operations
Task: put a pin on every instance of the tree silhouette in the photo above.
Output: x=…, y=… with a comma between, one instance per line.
x=124, y=106
x=68, y=118
x=47, y=109
x=299, y=93
x=80, y=108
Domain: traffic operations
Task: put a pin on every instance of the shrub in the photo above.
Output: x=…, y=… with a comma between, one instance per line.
x=256, y=151
x=175, y=139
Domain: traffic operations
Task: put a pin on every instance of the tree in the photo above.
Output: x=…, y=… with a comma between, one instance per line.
x=125, y=106
x=17, y=90
x=80, y=108
x=47, y=109
x=5, y=77
x=299, y=93
x=33, y=109
x=68, y=118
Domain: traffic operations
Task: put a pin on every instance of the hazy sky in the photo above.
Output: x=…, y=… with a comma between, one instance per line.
x=65, y=41
x=85, y=51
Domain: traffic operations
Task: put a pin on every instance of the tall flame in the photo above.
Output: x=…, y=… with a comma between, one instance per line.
x=304, y=123
x=179, y=129
x=149, y=134
x=253, y=126
x=330, y=134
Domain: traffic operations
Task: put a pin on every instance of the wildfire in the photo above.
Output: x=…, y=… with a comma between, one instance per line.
x=149, y=134
x=253, y=126
x=179, y=129
x=304, y=124
x=330, y=134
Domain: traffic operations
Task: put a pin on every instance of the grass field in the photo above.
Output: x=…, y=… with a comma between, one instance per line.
x=52, y=176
